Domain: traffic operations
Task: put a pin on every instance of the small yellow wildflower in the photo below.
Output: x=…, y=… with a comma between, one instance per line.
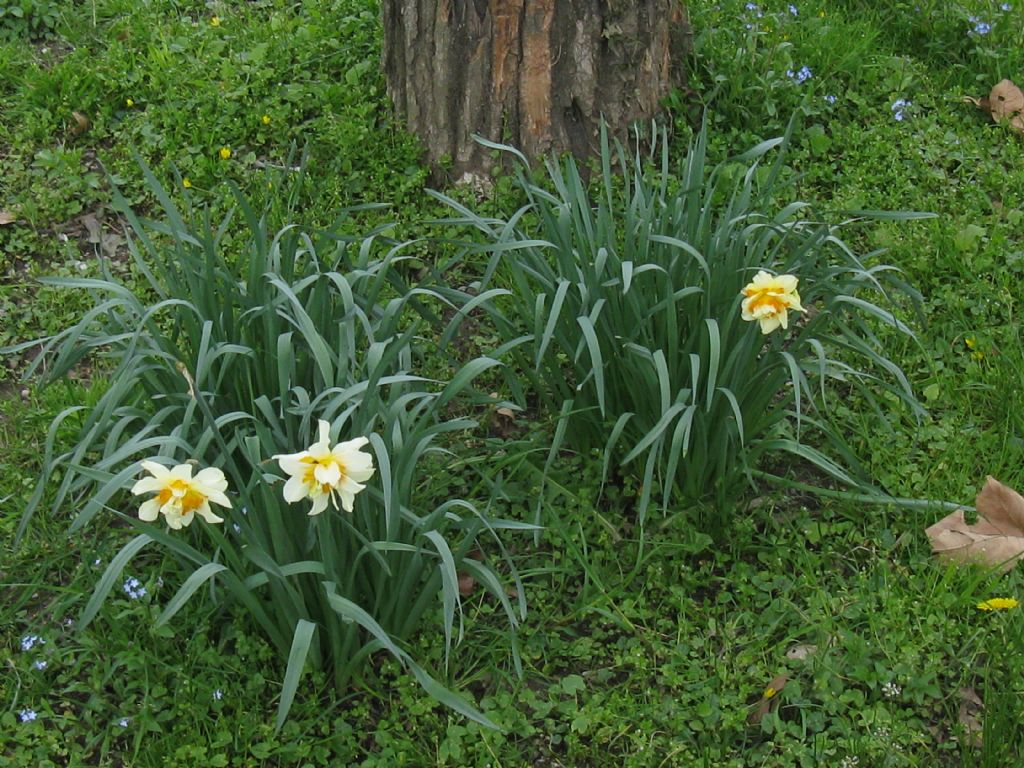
x=769, y=298
x=971, y=342
x=186, y=183
x=225, y=153
x=769, y=692
x=998, y=604
x=265, y=119
x=129, y=103
x=821, y=14
x=215, y=21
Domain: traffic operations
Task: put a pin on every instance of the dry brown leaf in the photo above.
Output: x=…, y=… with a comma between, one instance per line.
x=81, y=125
x=801, y=652
x=769, y=699
x=467, y=584
x=6, y=217
x=971, y=707
x=1005, y=103
x=93, y=227
x=997, y=539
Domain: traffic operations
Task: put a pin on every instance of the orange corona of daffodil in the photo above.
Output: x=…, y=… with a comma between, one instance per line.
x=769, y=299
x=179, y=495
x=324, y=473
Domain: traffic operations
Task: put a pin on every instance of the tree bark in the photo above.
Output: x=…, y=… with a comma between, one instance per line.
x=536, y=74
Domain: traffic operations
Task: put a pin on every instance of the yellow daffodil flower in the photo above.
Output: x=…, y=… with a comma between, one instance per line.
x=179, y=496
x=998, y=604
x=769, y=299
x=324, y=474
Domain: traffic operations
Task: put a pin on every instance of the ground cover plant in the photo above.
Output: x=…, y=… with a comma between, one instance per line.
x=821, y=631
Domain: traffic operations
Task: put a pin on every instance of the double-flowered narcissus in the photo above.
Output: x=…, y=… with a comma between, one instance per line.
x=769, y=299
x=324, y=474
x=179, y=496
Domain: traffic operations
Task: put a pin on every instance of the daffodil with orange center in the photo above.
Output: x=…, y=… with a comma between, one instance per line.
x=769, y=299
x=180, y=496
x=325, y=474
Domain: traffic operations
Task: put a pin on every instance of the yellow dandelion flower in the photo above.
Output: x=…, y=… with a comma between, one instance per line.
x=998, y=604
x=215, y=21
x=129, y=103
x=186, y=183
x=769, y=692
x=265, y=119
x=225, y=153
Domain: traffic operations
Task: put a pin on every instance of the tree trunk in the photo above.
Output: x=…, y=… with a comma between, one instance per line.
x=536, y=74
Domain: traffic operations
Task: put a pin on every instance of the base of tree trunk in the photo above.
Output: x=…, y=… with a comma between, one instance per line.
x=536, y=74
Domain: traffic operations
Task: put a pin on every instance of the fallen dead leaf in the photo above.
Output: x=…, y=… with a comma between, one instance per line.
x=6, y=217
x=466, y=584
x=971, y=707
x=769, y=699
x=93, y=227
x=801, y=652
x=1005, y=103
x=81, y=125
x=997, y=539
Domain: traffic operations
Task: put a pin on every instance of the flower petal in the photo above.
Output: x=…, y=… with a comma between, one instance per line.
x=295, y=489
x=149, y=510
x=319, y=504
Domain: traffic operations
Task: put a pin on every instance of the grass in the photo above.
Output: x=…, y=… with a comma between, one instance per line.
x=634, y=653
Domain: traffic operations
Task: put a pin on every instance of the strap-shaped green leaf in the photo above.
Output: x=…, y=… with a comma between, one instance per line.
x=199, y=577
x=301, y=640
x=110, y=575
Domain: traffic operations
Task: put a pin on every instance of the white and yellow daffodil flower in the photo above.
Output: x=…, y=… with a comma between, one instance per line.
x=325, y=474
x=179, y=496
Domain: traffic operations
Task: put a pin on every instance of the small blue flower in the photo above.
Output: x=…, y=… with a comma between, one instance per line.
x=28, y=642
x=1006, y=7
x=133, y=588
x=800, y=76
x=123, y=722
x=897, y=109
x=983, y=28
x=218, y=695
x=793, y=10
x=27, y=715
x=830, y=99
x=39, y=664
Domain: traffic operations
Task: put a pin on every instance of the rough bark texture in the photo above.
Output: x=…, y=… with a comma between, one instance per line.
x=537, y=74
